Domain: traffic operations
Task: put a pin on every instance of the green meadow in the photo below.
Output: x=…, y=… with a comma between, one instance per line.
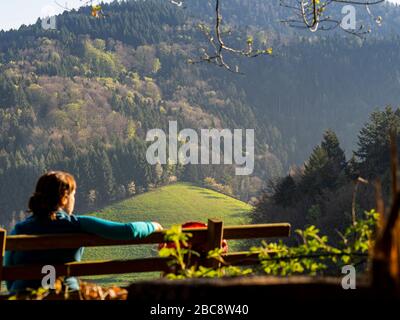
x=169, y=205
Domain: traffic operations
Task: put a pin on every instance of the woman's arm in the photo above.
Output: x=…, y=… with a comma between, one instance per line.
x=115, y=230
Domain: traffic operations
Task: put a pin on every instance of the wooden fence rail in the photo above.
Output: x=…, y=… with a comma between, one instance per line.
x=212, y=236
x=68, y=241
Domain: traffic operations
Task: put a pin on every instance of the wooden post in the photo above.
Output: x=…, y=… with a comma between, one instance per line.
x=3, y=235
x=214, y=238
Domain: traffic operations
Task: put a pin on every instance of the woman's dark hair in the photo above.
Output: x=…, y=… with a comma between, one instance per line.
x=51, y=188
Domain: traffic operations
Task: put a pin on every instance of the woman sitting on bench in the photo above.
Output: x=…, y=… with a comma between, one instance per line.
x=52, y=206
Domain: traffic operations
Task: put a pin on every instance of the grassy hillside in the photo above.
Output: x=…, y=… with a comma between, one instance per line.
x=174, y=204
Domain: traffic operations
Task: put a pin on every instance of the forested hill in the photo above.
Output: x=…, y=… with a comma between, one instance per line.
x=81, y=98
x=133, y=22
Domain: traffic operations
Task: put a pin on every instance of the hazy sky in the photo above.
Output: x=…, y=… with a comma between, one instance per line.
x=14, y=13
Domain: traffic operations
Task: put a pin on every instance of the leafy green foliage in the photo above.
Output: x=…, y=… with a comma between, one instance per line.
x=313, y=256
x=183, y=265
x=359, y=237
x=180, y=241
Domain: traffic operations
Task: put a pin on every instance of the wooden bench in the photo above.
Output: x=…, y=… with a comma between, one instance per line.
x=212, y=236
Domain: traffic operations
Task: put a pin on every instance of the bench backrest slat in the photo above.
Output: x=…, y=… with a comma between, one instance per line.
x=65, y=241
x=90, y=268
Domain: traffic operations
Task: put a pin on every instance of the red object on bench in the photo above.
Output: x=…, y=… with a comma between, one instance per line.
x=200, y=248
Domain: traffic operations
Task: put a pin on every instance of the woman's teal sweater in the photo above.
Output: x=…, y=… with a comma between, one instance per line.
x=65, y=223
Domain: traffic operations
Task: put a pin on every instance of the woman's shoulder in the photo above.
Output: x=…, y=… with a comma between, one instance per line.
x=62, y=215
x=64, y=218
x=63, y=222
x=20, y=226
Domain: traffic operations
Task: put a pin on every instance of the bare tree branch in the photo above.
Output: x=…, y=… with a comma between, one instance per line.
x=311, y=15
x=308, y=14
x=219, y=46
